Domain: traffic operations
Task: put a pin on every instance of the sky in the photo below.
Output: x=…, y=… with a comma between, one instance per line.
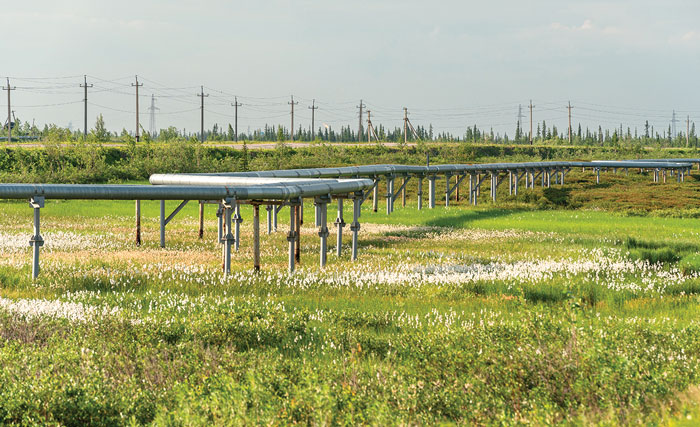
x=452, y=63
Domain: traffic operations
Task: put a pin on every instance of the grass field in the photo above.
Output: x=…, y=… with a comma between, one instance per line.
x=574, y=305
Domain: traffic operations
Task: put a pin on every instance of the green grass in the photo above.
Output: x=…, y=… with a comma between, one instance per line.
x=519, y=315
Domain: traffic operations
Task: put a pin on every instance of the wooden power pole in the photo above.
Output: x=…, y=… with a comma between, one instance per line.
x=86, y=86
x=202, y=95
x=313, y=108
x=292, y=104
x=137, y=85
x=405, y=125
x=235, y=105
x=359, y=126
x=9, y=110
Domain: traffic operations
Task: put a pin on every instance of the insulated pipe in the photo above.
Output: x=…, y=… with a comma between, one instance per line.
x=36, y=241
x=431, y=191
x=138, y=223
x=355, y=226
x=162, y=223
x=256, y=237
x=339, y=223
x=291, y=236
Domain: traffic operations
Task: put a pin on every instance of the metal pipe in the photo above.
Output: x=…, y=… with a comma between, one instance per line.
x=431, y=191
x=339, y=223
x=355, y=226
x=228, y=207
x=291, y=236
x=201, y=219
x=375, y=194
x=389, y=194
x=323, y=230
x=420, y=192
x=162, y=223
x=297, y=249
x=36, y=241
x=138, y=223
x=256, y=237
x=447, y=189
x=269, y=209
x=238, y=220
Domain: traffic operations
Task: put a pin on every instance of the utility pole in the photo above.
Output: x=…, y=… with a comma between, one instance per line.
x=569, y=108
x=137, y=85
x=86, y=86
x=202, y=95
x=521, y=116
x=405, y=125
x=235, y=105
x=531, y=107
x=292, y=104
x=153, y=109
x=9, y=110
x=687, y=132
x=359, y=127
x=369, y=126
x=313, y=108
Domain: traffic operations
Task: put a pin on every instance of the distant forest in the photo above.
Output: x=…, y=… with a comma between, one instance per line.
x=543, y=134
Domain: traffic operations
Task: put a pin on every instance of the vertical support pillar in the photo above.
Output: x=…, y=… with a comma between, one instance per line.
x=238, y=220
x=597, y=175
x=201, y=219
x=494, y=183
x=229, y=205
x=447, y=189
x=510, y=183
x=220, y=223
x=275, y=210
x=389, y=194
x=457, y=188
x=339, y=223
x=269, y=209
x=138, y=223
x=162, y=223
x=322, y=203
x=256, y=236
x=431, y=191
x=515, y=184
x=471, y=188
x=355, y=226
x=36, y=242
x=375, y=194
x=420, y=192
x=297, y=249
x=291, y=236
x=403, y=192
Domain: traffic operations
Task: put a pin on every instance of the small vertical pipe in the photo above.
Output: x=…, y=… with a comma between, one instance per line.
x=447, y=190
x=138, y=223
x=228, y=240
x=515, y=184
x=471, y=188
x=256, y=237
x=403, y=193
x=291, y=237
x=340, y=223
x=220, y=223
x=375, y=194
x=201, y=219
x=510, y=183
x=162, y=223
x=297, y=249
x=420, y=192
x=275, y=210
x=431, y=191
x=37, y=241
x=269, y=209
x=597, y=175
x=389, y=193
x=238, y=220
x=457, y=188
x=355, y=226
x=323, y=233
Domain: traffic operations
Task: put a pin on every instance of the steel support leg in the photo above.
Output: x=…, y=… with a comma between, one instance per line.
x=420, y=193
x=36, y=242
x=162, y=223
x=375, y=195
x=291, y=236
x=138, y=223
x=355, y=226
x=229, y=238
x=339, y=223
x=256, y=237
x=201, y=219
x=323, y=230
x=431, y=192
x=269, y=209
x=238, y=220
x=389, y=195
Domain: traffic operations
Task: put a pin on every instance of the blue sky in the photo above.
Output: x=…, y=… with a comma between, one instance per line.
x=452, y=63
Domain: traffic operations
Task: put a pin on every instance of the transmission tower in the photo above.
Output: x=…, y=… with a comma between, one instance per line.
x=152, y=109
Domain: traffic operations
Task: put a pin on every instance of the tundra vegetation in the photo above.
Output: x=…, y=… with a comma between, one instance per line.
x=569, y=305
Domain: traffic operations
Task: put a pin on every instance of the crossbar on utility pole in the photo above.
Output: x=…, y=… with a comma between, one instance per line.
x=202, y=95
x=86, y=86
x=137, y=85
